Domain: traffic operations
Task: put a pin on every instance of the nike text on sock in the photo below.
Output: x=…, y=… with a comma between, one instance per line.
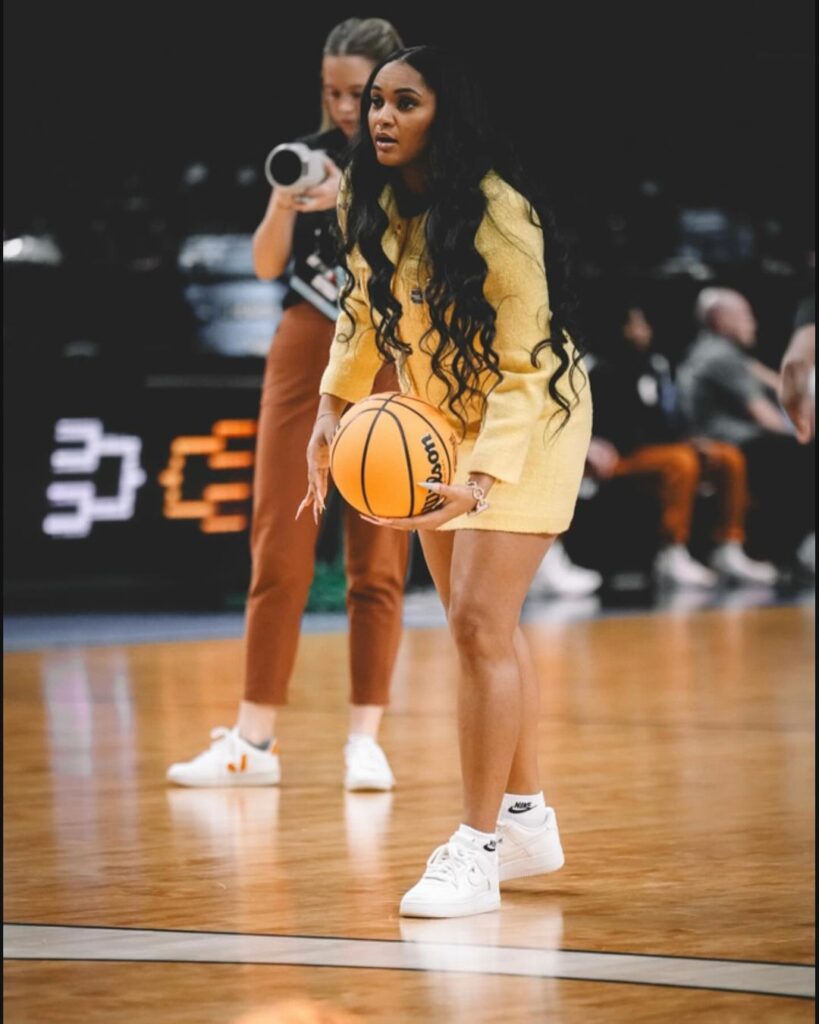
x=526, y=809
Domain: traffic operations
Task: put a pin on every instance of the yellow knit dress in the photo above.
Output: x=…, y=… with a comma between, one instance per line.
x=515, y=436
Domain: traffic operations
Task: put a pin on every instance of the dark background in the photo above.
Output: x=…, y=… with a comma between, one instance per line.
x=633, y=112
x=712, y=98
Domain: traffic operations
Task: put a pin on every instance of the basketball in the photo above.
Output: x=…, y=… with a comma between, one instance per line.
x=384, y=447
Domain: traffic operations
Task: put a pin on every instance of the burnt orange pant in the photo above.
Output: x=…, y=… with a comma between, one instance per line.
x=677, y=470
x=283, y=549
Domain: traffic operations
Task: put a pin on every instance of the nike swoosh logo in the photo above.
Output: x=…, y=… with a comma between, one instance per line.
x=518, y=809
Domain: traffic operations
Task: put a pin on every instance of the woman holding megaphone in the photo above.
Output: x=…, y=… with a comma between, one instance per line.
x=298, y=226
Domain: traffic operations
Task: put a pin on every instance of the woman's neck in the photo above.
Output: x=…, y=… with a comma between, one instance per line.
x=411, y=192
x=414, y=179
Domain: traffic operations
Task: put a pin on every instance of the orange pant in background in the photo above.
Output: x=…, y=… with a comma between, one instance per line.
x=283, y=548
x=678, y=469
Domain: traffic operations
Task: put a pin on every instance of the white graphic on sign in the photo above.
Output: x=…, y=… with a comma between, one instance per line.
x=78, y=498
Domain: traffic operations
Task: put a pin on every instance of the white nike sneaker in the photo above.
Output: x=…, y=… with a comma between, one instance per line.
x=228, y=761
x=461, y=878
x=526, y=851
x=366, y=767
x=730, y=561
x=557, y=575
x=674, y=565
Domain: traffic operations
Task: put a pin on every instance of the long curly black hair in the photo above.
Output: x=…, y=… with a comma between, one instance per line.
x=462, y=149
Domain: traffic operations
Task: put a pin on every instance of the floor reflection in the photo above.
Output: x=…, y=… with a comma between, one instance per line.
x=367, y=819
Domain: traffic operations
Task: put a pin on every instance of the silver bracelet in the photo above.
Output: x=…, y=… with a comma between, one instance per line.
x=479, y=494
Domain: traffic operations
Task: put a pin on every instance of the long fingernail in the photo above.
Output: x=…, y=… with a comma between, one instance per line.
x=427, y=486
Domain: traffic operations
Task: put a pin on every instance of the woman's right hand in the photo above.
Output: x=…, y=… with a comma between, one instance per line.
x=320, y=197
x=318, y=463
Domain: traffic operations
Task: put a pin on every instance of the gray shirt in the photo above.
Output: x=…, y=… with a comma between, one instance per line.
x=716, y=384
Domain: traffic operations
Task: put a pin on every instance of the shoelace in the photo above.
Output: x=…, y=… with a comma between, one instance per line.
x=448, y=863
x=221, y=735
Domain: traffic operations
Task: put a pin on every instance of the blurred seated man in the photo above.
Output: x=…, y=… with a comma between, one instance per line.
x=730, y=397
x=797, y=393
x=797, y=383
x=640, y=433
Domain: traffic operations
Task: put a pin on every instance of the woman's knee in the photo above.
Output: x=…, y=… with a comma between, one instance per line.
x=683, y=462
x=380, y=589
x=476, y=628
x=728, y=459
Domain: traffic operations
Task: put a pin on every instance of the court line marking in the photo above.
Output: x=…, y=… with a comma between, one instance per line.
x=429, y=942
x=56, y=942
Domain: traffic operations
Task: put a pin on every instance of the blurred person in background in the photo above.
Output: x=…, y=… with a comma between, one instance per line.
x=797, y=384
x=729, y=396
x=797, y=393
x=297, y=228
x=559, y=576
x=639, y=432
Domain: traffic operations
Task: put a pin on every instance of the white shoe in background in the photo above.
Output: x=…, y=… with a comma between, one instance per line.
x=526, y=851
x=366, y=766
x=461, y=878
x=228, y=761
x=675, y=566
x=557, y=575
x=730, y=561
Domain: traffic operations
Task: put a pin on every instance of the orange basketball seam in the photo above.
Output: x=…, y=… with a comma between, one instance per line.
x=343, y=431
x=364, y=458
x=433, y=428
x=407, y=456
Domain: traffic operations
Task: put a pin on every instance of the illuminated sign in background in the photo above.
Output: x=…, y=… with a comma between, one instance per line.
x=83, y=444
x=221, y=507
x=120, y=482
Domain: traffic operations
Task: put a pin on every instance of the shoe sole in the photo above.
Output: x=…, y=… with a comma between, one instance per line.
x=483, y=905
x=354, y=785
x=544, y=865
x=256, y=780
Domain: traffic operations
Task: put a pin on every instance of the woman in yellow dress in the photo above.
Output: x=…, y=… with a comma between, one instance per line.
x=447, y=258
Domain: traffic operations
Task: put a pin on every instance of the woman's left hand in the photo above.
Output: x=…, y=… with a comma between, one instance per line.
x=458, y=500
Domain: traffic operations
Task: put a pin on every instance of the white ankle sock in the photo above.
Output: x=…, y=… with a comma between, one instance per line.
x=528, y=810
x=266, y=747
x=361, y=737
x=486, y=840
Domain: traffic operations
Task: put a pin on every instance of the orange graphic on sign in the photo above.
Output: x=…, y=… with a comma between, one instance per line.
x=214, y=449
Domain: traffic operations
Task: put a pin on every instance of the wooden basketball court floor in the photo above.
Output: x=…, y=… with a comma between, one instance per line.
x=677, y=748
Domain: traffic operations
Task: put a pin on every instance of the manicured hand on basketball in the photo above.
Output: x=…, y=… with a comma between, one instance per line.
x=457, y=501
x=318, y=464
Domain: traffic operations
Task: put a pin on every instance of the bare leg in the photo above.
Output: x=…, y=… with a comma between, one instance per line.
x=257, y=722
x=524, y=776
x=483, y=577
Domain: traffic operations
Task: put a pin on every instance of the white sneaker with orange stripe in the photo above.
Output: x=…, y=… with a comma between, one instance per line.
x=229, y=761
